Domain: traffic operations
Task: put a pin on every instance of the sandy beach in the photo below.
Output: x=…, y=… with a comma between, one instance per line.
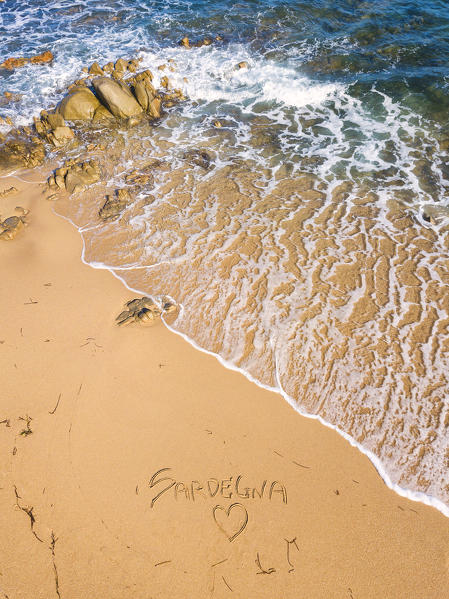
x=135, y=466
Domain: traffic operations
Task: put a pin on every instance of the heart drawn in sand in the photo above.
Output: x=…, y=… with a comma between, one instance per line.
x=231, y=521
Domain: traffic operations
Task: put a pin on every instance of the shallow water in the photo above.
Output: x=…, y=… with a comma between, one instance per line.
x=300, y=255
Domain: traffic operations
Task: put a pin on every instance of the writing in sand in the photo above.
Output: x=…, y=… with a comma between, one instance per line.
x=228, y=488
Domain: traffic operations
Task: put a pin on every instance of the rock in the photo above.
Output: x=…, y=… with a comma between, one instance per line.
x=109, y=67
x=217, y=124
x=114, y=205
x=79, y=105
x=242, y=65
x=145, y=94
x=8, y=192
x=55, y=120
x=10, y=227
x=16, y=62
x=117, y=97
x=435, y=214
x=121, y=65
x=61, y=135
x=79, y=175
x=95, y=69
x=21, y=211
x=9, y=97
x=142, y=310
x=165, y=82
x=154, y=109
x=198, y=158
x=43, y=58
x=17, y=153
x=185, y=42
x=102, y=113
x=138, y=179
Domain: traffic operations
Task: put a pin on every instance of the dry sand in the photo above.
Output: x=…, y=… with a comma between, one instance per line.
x=109, y=407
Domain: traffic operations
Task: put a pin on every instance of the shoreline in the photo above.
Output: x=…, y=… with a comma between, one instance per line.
x=111, y=407
x=412, y=495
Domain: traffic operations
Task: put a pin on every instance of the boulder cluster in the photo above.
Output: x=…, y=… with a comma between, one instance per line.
x=114, y=91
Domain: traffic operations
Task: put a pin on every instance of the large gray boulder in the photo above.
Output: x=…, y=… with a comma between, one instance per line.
x=117, y=97
x=79, y=105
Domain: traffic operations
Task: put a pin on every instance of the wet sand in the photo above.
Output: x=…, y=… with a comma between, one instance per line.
x=91, y=415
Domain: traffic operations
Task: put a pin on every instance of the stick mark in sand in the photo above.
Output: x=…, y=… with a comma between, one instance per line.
x=57, y=404
x=224, y=580
x=218, y=563
x=292, y=542
x=29, y=512
x=301, y=465
x=262, y=570
x=52, y=549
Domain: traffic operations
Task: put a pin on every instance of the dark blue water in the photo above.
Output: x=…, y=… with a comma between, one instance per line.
x=401, y=47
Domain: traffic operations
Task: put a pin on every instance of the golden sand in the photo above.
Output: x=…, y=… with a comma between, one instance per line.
x=135, y=466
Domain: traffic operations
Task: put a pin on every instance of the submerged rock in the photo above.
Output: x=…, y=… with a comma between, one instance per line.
x=117, y=97
x=198, y=158
x=435, y=214
x=114, y=205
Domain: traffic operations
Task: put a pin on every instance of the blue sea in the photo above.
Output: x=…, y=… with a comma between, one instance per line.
x=312, y=252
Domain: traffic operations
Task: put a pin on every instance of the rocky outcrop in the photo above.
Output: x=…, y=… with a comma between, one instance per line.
x=53, y=128
x=19, y=153
x=17, y=62
x=75, y=176
x=117, y=97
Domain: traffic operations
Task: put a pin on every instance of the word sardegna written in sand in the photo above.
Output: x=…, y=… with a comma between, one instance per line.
x=227, y=488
